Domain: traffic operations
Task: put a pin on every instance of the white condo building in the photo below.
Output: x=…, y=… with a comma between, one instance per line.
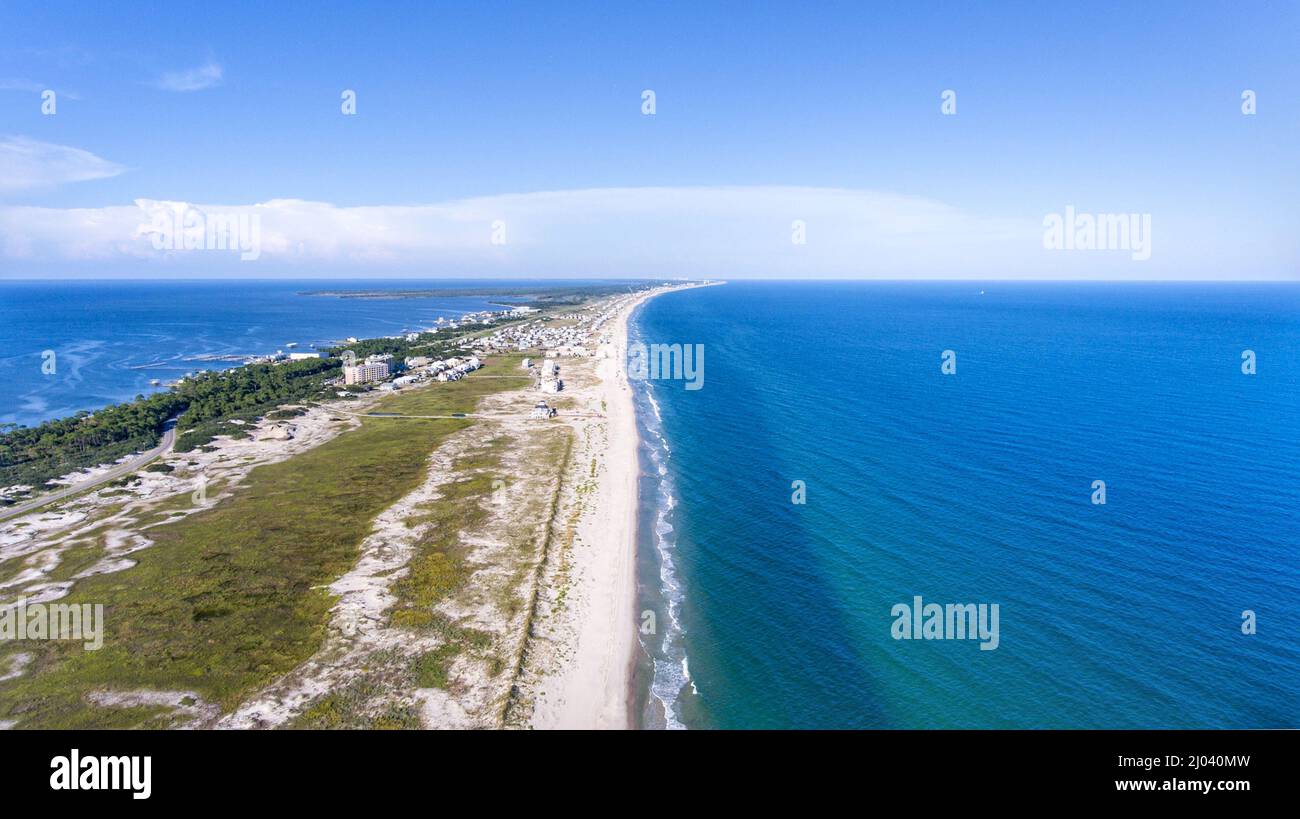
x=365, y=373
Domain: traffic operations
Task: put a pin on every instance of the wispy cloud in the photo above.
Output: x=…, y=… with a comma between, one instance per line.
x=15, y=84
x=194, y=79
x=27, y=164
x=29, y=86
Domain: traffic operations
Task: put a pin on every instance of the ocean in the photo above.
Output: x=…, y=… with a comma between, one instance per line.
x=975, y=487
x=112, y=338
x=971, y=488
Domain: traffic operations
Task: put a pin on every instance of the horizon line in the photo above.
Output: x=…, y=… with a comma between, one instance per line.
x=717, y=279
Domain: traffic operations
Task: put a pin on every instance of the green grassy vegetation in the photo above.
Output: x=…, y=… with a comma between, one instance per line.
x=231, y=597
x=439, y=566
x=354, y=706
x=11, y=567
x=146, y=717
x=83, y=553
x=347, y=709
x=285, y=414
x=431, y=668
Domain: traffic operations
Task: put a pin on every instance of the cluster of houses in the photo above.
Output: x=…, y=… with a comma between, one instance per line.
x=421, y=368
x=570, y=338
x=377, y=369
x=466, y=319
x=611, y=310
x=481, y=317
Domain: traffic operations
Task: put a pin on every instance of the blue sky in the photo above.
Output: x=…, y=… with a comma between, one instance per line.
x=1111, y=108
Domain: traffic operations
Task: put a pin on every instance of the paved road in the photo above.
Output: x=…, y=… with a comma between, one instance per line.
x=121, y=470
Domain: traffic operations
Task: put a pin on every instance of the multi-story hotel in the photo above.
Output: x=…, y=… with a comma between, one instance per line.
x=365, y=373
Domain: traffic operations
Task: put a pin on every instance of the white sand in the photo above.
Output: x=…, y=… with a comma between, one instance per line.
x=582, y=648
x=592, y=686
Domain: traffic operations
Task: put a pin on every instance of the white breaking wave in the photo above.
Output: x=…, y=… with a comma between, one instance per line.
x=671, y=668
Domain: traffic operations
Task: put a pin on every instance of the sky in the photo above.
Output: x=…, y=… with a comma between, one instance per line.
x=494, y=139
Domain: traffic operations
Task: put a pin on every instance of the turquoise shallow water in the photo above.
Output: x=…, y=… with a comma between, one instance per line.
x=974, y=488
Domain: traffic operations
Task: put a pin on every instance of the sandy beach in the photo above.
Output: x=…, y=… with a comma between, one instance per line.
x=591, y=689
x=551, y=580
x=589, y=682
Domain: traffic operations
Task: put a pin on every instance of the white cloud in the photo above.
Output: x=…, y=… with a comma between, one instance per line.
x=194, y=79
x=27, y=164
x=601, y=232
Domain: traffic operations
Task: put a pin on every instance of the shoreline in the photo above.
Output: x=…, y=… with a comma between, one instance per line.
x=591, y=687
x=596, y=688
x=589, y=643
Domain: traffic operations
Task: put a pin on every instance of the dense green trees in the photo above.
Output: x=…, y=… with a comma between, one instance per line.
x=205, y=403
x=34, y=455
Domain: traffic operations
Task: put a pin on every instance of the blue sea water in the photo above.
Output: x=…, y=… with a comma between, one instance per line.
x=975, y=487
x=969, y=488
x=111, y=338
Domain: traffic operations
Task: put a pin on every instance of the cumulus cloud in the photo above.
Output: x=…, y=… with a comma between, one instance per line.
x=651, y=231
x=194, y=79
x=27, y=164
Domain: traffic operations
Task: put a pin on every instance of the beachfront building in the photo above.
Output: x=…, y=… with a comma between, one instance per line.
x=550, y=382
x=277, y=356
x=367, y=373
